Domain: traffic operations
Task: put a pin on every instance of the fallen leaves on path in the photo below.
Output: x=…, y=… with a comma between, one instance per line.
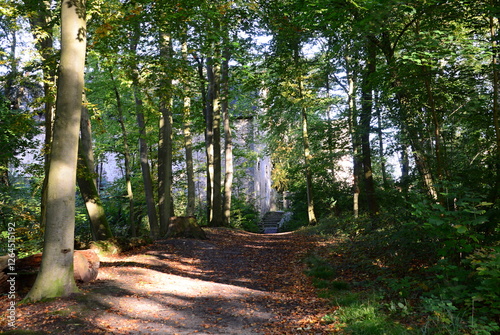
x=233, y=283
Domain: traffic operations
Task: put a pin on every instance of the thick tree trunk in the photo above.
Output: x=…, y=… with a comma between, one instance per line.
x=165, y=203
x=56, y=271
x=228, y=140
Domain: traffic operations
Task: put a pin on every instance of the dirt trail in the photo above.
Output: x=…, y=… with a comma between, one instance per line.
x=233, y=283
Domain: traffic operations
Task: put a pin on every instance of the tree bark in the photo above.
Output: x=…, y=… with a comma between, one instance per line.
x=365, y=127
x=43, y=15
x=213, y=145
x=188, y=142
x=87, y=182
x=228, y=139
x=55, y=278
x=165, y=203
x=311, y=216
x=143, y=146
x=353, y=131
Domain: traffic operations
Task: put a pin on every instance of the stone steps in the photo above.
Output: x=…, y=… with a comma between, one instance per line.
x=270, y=222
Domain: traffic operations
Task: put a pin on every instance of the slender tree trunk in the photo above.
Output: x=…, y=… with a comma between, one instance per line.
x=496, y=105
x=143, y=146
x=127, y=160
x=208, y=115
x=307, y=158
x=228, y=140
x=55, y=277
x=307, y=151
x=365, y=127
x=213, y=146
x=380, y=135
x=406, y=126
x=188, y=141
x=43, y=14
x=209, y=145
x=87, y=182
x=146, y=171
x=165, y=203
x=353, y=131
x=405, y=169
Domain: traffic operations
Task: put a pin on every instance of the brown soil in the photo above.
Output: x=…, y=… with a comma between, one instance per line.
x=233, y=283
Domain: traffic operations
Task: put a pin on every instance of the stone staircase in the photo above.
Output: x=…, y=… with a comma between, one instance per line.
x=270, y=222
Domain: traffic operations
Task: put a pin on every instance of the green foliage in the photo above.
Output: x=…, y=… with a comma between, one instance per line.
x=20, y=206
x=244, y=215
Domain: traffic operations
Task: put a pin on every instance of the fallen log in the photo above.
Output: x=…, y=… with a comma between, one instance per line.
x=85, y=268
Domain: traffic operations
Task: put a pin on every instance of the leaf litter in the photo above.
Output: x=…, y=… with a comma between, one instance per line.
x=233, y=283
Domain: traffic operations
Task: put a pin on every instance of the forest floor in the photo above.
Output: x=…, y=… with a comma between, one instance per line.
x=233, y=283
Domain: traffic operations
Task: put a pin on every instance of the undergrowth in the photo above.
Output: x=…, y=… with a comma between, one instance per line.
x=431, y=270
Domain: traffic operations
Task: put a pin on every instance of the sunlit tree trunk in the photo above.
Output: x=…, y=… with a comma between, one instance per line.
x=311, y=216
x=228, y=140
x=188, y=141
x=87, y=182
x=165, y=203
x=55, y=277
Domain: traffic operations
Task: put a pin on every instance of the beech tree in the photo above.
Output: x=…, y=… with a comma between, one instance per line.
x=55, y=277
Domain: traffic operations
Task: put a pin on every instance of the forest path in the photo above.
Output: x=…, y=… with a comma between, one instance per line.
x=233, y=283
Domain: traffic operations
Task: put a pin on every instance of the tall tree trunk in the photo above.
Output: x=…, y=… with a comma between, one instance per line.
x=307, y=159
x=214, y=146
x=406, y=126
x=208, y=115
x=228, y=140
x=365, y=127
x=165, y=203
x=127, y=160
x=146, y=170
x=311, y=216
x=188, y=141
x=380, y=136
x=55, y=277
x=87, y=182
x=496, y=105
x=143, y=147
x=353, y=131
x=40, y=20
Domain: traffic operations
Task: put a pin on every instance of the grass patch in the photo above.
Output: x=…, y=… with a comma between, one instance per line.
x=358, y=312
